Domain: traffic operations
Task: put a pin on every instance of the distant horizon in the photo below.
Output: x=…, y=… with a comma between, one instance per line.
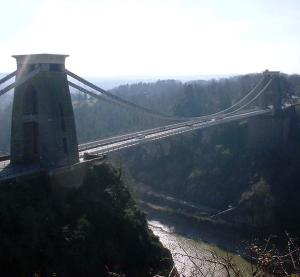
x=167, y=76
x=110, y=82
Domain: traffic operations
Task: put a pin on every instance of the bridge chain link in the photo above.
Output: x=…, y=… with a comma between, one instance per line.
x=20, y=81
x=8, y=77
x=109, y=97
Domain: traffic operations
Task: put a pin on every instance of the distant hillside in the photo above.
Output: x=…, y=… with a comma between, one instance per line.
x=96, y=119
x=114, y=82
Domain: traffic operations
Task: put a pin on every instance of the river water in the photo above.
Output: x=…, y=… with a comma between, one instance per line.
x=192, y=255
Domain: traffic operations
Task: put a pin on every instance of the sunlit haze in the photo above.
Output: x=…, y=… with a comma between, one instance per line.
x=156, y=37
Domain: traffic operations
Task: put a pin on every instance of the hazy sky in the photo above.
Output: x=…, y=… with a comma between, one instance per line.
x=156, y=37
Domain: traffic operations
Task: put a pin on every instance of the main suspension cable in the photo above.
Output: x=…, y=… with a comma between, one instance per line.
x=239, y=101
x=20, y=81
x=253, y=99
x=7, y=77
x=118, y=100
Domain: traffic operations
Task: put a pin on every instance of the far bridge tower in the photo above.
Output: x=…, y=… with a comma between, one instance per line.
x=270, y=132
x=274, y=93
x=43, y=127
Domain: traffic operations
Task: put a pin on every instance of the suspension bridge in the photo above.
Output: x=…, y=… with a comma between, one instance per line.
x=43, y=133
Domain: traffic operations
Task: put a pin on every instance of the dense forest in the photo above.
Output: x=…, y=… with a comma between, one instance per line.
x=214, y=167
x=97, y=229
x=50, y=227
x=217, y=167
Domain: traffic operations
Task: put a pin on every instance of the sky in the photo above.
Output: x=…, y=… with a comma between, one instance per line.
x=113, y=38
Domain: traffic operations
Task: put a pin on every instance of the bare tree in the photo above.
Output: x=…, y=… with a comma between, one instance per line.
x=266, y=259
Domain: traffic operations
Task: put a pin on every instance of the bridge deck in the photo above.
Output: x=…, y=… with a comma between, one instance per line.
x=133, y=139
x=121, y=142
x=8, y=172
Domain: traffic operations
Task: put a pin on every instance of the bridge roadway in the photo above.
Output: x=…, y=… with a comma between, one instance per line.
x=108, y=145
x=125, y=141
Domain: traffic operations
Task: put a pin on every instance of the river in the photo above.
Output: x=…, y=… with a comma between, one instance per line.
x=194, y=256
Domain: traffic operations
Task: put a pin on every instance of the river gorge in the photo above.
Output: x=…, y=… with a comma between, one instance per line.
x=195, y=252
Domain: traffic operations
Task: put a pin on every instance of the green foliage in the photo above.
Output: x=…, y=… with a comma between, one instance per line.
x=212, y=167
x=47, y=228
x=259, y=204
x=209, y=167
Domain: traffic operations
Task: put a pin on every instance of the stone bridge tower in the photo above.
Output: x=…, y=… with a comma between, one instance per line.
x=270, y=132
x=273, y=95
x=43, y=127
